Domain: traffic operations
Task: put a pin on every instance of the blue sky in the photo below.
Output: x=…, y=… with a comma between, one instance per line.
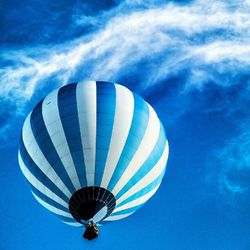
x=190, y=60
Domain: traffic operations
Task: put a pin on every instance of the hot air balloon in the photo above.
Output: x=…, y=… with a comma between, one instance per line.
x=93, y=152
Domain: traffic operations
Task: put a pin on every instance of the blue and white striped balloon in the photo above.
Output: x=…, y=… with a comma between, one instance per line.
x=93, y=134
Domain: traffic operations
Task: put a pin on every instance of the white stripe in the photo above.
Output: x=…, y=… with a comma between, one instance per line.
x=74, y=224
x=52, y=208
x=153, y=174
x=147, y=145
x=86, y=107
x=122, y=122
x=100, y=214
x=39, y=185
x=117, y=217
x=38, y=157
x=54, y=127
x=137, y=201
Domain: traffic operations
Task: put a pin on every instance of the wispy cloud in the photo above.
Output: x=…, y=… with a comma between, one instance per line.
x=138, y=41
x=233, y=159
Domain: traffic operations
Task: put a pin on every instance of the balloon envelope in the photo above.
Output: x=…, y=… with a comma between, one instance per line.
x=93, y=151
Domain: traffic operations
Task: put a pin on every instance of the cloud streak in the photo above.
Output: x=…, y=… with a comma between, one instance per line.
x=234, y=156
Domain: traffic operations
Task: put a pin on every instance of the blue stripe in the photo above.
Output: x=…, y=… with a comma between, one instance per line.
x=67, y=106
x=145, y=190
x=37, y=172
x=52, y=203
x=150, y=162
x=44, y=141
x=137, y=195
x=47, y=199
x=106, y=101
x=135, y=136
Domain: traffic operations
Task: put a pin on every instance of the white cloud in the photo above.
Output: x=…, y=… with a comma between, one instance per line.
x=234, y=160
x=233, y=188
x=220, y=51
x=129, y=38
